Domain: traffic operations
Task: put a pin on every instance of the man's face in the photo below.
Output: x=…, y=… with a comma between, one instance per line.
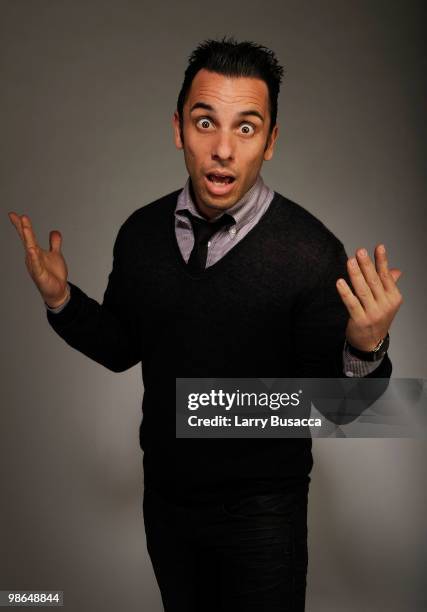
x=226, y=123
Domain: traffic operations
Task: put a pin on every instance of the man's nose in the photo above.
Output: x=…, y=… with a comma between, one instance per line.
x=223, y=147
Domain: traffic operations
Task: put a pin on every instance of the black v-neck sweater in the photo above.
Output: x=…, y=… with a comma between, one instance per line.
x=268, y=308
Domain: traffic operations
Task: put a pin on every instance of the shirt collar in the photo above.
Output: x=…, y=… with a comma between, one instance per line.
x=242, y=211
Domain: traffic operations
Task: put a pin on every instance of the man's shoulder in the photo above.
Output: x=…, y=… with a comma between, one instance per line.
x=153, y=211
x=148, y=221
x=303, y=224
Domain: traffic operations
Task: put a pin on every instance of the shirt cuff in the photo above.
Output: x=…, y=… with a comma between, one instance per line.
x=62, y=306
x=353, y=366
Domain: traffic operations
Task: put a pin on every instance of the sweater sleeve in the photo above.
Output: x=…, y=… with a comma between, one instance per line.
x=320, y=324
x=107, y=332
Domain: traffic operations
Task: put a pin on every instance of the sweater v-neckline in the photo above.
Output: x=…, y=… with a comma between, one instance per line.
x=181, y=263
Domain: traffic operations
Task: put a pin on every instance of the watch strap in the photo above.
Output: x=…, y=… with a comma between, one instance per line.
x=374, y=355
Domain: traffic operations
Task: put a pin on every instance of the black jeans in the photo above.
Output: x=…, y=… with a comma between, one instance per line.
x=246, y=554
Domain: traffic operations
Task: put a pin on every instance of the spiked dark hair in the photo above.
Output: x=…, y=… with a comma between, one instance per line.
x=233, y=59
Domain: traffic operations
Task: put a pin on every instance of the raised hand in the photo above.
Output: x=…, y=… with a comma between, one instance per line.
x=47, y=268
x=374, y=301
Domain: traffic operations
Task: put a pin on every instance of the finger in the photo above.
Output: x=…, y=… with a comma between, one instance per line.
x=29, y=236
x=388, y=277
x=360, y=286
x=396, y=274
x=351, y=302
x=394, y=295
x=35, y=261
x=16, y=221
x=370, y=274
x=55, y=241
x=381, y=261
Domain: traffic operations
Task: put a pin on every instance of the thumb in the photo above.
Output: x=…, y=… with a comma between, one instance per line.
x=396, y=274
x=55, y=241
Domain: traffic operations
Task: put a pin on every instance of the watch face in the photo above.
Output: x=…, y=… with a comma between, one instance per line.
x=382, y=349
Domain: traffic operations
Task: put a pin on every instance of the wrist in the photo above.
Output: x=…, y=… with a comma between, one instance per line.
x=59, y=302
x=366, y=347
x=375, y=354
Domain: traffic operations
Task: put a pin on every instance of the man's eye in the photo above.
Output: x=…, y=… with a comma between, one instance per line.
x=247, y=127
x=204, y=122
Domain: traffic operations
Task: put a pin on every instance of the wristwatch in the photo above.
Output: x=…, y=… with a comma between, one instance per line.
x=375, y=355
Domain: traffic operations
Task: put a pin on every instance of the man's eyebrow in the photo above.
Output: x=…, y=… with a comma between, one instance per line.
x=245, y=113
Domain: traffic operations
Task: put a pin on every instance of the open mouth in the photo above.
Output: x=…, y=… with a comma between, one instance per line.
x=220, y=180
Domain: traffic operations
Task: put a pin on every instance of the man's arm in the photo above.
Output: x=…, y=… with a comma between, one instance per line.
x=107, y=332
x=320, y=323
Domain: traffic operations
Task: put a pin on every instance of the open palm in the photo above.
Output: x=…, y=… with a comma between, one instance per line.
x=47, y=268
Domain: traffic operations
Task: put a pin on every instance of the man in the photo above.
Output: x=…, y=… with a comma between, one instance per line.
x=225, y=278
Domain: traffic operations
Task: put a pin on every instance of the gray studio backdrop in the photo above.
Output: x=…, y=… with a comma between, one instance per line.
x=87, y=95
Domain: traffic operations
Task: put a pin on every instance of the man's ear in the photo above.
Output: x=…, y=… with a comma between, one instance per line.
x=268, y=153
x=177, y=131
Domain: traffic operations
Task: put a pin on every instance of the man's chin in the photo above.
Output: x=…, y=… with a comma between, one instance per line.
x=211, y=204
x=219, y=201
